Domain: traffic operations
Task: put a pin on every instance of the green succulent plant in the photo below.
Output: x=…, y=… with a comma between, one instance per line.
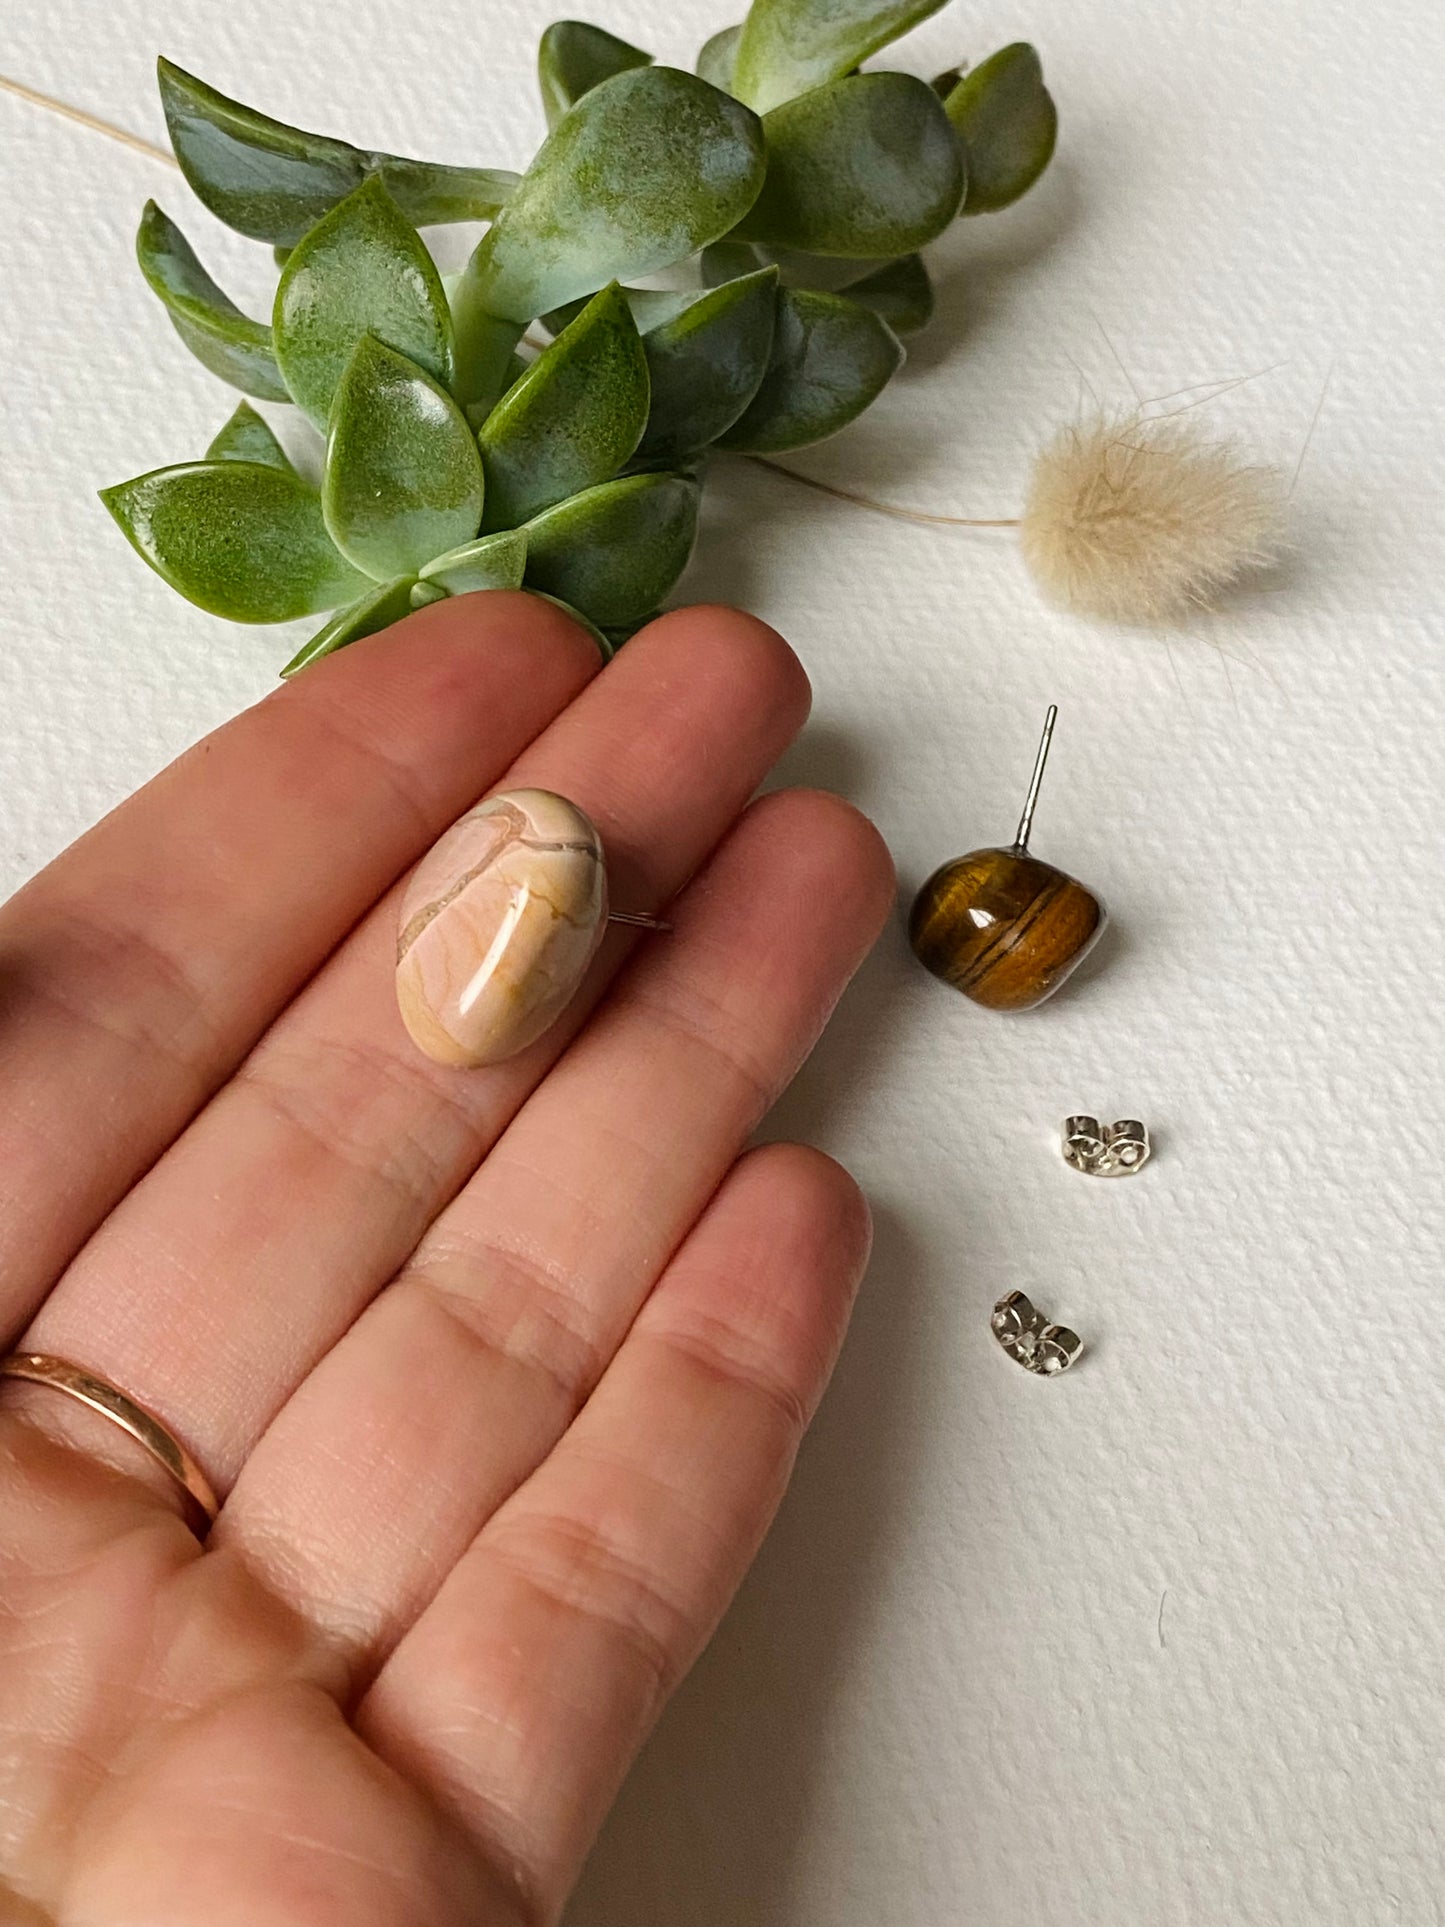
x=787, y=194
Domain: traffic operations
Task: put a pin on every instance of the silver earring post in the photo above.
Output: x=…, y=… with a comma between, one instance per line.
x=1026, y=821
x=638, y=920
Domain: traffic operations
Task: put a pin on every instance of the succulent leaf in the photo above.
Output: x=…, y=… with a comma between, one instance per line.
x=432, y=194
x=605, y=644
x=572, y=419
x=491, y=562
x=718, y=57
x=828, y=273
x=867, y=166
x=228, y=342
x=614, y=551
x=382, y=605
x=900, y=291
x=573, y=57
x=619, y=632
x=403, y=477
x=273, y=182
x=726, y=260
x=790, y=46
x=706, y=364
x=1008, y=124
x=361, y=270
x=650, y=307
x=245, y=437
x=645, y=169
x=242, y=539
x=830, y=359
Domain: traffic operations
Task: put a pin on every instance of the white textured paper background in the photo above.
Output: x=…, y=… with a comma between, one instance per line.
x=1163, y=1644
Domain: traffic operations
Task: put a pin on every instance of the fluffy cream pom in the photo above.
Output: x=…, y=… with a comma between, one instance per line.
x=1140, y=519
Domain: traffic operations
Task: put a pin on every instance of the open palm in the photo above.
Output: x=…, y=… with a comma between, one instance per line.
x=500, y=1373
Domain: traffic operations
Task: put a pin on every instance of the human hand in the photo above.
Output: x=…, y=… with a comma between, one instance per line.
x=500, y=1373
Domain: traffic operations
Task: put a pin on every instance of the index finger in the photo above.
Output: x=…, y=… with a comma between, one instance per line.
x=141, y=966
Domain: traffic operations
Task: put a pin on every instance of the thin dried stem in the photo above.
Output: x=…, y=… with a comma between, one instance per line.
x=1314, y=424
x=888, y=508
x=78, y=114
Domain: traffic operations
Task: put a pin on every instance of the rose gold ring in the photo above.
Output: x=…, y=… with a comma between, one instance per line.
x=39, y=1368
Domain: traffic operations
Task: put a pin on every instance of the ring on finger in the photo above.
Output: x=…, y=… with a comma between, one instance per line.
x=89, y=1388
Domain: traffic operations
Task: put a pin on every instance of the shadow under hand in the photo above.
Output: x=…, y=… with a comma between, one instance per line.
x=710, y=1826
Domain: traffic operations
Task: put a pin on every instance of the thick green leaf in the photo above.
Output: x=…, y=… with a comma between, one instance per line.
x=604, y=643
x=1007, y=121
x=516, y=366
x=867, y=166
x=790, y=46
x=619, y=632
x=242, y=539
x=492, y=562
x=273, y=182
x=830, y=359
x=573, y=57
x=230, y=343
x=573, y=418
x=828, y=273
x=430, y=194
x=361, y=270
x=650, y=308
x=259, y=176
x=726, y=260
x=645, y=169
x=614, y=551
x=247, y=438
x=377, y=609
x=900, y=291
x=718, y=57
x=403, y=477
x=706, y=365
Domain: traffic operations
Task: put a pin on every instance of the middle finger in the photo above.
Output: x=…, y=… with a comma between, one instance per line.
x=463, y=1375
x=255, y=1242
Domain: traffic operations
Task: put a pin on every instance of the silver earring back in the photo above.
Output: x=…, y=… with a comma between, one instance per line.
x=1113, y=1151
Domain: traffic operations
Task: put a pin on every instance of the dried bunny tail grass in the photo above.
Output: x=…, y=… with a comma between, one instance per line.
x=1140, y=519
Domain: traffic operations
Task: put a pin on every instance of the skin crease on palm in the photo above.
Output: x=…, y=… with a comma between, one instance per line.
x=500, y=1373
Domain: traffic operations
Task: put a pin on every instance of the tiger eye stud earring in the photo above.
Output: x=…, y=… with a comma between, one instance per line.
x=1001, y=926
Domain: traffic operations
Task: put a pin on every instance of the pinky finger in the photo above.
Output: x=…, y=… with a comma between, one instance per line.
x=521, y=1696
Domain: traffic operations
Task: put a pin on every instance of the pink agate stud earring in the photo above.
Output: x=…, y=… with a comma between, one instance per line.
x=498, y=926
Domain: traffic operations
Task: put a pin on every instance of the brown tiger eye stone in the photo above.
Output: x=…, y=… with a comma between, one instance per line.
x=1002, y=927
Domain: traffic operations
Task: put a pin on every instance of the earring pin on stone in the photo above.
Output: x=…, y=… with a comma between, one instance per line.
x=499, y=924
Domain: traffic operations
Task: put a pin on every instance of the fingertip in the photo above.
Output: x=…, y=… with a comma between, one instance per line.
x=820, y=1192
x=736, y=650
x=777, y=1259
x=846, y=846
x=434, y=655
x=489, y=621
